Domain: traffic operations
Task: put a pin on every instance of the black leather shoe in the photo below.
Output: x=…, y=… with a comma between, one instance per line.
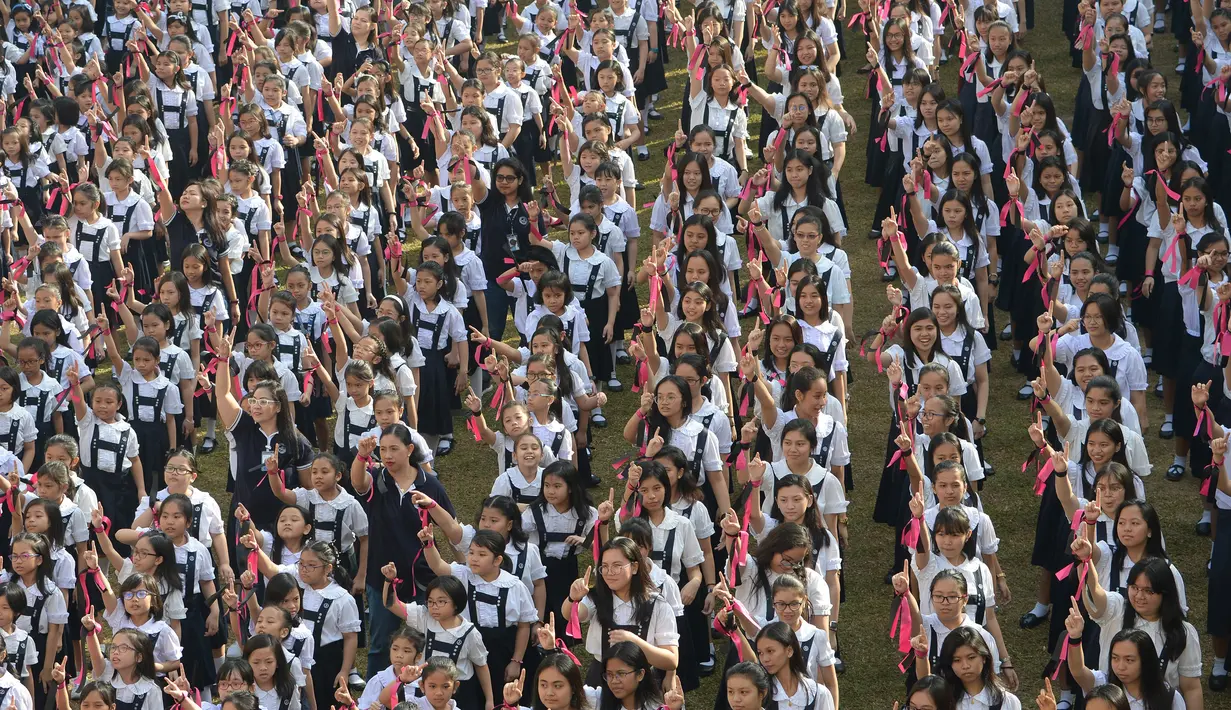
x=1175, y=473
x=1203, y=529
x=1218, y=683
x=1030, y=621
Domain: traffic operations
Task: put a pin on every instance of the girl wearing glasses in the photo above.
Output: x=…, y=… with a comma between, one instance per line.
x=947, y=594
x=447, y=633
x=1153, y=602
x=141, y=609
x=955, y=550
x=500, y=607
x=153, y=554
x=329, y=612
x=623, y=606
x=181, y=475
x=32, y=564
x=128, y=667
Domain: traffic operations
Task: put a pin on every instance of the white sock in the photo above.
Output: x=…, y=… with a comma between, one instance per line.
x=1102, y=229
x=1148, y=351
x=1205, y=516
x=1040, y=610
x=476, y=381
x=1017, y=352
x=1067, y=696
x=210, y=425
x=218, y=662
x=1220, y=666
x=1113, y=249
x=1168, y=418
x=1178, y=461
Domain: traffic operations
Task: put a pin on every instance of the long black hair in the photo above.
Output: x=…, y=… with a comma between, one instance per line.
x=284, y=682
x=641, y=591
x=1171, y=614
x=969, y=636
x=1155, y=694
x=648, y=693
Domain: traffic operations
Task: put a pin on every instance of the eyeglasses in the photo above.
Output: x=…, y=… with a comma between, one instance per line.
x=24, y=556
x=534, y=395
x=124, y=648
x=807, y=235
x=1093, y=317
x=438, y=602
x=788, y=606
x=613, y=568
x=617, y=675
x=177, y=469
x=929, y=415
x=505, y=177
x=309, y=565
x=945, y=598
x=138, y=594
x=666, y=398
x=262, y=401
x=1133, y=588
x=26, y=362
x=1218, y=254
x=692, y=381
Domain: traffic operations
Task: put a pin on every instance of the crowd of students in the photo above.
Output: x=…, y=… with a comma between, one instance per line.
x=273, y=216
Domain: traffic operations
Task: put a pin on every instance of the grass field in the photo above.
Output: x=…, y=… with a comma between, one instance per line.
x=871, y=679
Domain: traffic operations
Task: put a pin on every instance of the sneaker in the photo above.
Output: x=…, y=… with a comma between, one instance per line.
x=1167, y=431
x=355, y=680
x=1175, y=472
x=615, y=385
x=208, y=445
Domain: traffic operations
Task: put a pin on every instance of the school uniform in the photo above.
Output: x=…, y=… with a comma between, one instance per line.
x=133, y=214
x=149, y=404
x=17, y=427
x=271, y=700
x=1187, y=665
x=809, y=695
x=525, y=559
x=463, y=644
x=206, y=514
x=980, y=585
x=329, y=613
x=107, y=450
x=512, y=483
x=166, y=643
x=251, y=447
x=143, y=694
x=22, y=655
x=496, y=608
x=826, y=487
x=676, y=549
x=196, y=564
x=591, y=277
x=548, y=529
x=436, y=328
x=657, y=626
x=760, y=603
x=45, y=606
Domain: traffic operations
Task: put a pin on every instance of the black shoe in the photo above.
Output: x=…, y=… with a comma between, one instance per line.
x=599, y=421
x=1030, y=621
x=208, y=445
x=444, y=448
x=705, y=671
x=1175, y=472
x=865, y=69
x=1203, y=529
x=623, y=358
x=656, y=116
x=1166, y=431
x=594, y=482
x=1218, y=683
x=874, y=234
x=643, y=156
x=839, y=665
x=888, y=275
x=750, y=311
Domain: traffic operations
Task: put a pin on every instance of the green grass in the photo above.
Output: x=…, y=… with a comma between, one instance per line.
x=872, y=679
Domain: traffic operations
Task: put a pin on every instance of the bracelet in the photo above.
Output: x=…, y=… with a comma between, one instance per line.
x=1088, y=521
x=473, y=413
x=1072, y=642
x=364, y=458
x=921, y=654
x=755, y=484
x=1150, y=273
x=640, y=415
x=517, y=661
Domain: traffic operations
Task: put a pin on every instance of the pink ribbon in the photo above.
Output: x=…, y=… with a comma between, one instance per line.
x=1171, y=194
x=900, y=628
x=910, y=534
x=573, y=630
